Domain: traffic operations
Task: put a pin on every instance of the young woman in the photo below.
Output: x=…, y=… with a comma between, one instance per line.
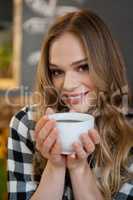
x=80, y=70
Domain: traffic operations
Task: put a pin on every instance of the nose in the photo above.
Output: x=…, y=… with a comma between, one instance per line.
x=70, y=81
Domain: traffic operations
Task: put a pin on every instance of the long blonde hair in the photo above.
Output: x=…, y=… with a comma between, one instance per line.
x=109, y=76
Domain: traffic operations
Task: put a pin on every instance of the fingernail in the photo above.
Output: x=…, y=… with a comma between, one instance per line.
x=49, y=110
x=73, y=155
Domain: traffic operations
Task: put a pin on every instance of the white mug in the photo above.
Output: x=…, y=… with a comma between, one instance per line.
x=71, y=125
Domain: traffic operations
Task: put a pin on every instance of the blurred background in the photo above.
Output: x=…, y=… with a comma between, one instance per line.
x=23, y=24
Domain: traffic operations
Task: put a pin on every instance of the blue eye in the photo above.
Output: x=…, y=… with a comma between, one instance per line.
x=83, y=67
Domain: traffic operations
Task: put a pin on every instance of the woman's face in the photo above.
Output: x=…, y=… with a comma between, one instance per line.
x=70, y=72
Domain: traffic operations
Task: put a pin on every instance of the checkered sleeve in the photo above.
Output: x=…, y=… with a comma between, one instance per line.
x=126, y=191
x=21, y=184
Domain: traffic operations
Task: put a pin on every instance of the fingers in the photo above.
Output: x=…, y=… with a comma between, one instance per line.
x=45, y=146
x=40, y=124
x=47, y=128
x=44, y=132
x=49, y=141
x=57, y=147
x=43, y=120
x=80, y=153
x=88, y=144
x=94, y=135
x=49, y=111
x=43, y=129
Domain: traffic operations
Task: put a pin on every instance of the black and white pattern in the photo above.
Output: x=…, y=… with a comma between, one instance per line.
x=21, y=147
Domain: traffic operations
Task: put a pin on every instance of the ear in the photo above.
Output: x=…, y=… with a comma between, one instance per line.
x=49, y=111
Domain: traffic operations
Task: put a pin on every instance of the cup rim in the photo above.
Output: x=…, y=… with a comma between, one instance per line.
x=71, y=116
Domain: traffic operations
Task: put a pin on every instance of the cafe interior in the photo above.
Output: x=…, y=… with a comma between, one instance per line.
x=22, y=26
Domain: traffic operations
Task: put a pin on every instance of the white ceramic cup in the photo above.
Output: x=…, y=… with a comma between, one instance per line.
x=70, y=131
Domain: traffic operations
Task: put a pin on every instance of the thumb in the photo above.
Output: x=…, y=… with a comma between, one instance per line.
x=49, y=111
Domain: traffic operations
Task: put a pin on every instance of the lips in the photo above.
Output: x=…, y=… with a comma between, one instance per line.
x=74, y=99
x=74, y=95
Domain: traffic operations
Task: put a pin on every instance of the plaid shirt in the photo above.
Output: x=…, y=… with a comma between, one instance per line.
x=21, y=147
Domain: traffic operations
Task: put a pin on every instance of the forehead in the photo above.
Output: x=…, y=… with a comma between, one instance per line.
x=67, y=48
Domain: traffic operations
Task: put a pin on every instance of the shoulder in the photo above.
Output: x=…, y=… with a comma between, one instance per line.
x=22, y=124
x=23, y=116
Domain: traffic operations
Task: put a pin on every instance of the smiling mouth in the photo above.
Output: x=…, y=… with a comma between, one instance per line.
x=76, y=99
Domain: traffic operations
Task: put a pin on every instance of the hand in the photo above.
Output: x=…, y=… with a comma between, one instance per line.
x=47, y=140
x=83, y=150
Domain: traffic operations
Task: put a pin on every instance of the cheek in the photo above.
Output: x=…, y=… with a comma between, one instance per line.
x=58, y=83
x=83, y=80
x=88, y=82
x=91, y=85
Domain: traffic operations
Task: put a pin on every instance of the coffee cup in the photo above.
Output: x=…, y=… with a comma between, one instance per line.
x=71, y=125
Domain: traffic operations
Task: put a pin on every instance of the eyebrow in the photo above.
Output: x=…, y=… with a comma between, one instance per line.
x=72, y=64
